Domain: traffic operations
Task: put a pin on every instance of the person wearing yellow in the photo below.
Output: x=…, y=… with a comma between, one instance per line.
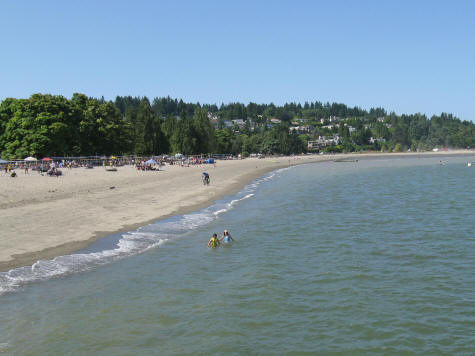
x=213, y=242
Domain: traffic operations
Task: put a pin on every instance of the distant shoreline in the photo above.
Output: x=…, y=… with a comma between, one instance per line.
x=45, y=217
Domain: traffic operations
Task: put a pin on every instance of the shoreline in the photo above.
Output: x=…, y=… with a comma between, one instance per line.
x=199, y=198
x=69, y=247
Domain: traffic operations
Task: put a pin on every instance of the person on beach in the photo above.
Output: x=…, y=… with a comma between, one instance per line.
x=226, y=237
x=205, y=178
x=213, y=242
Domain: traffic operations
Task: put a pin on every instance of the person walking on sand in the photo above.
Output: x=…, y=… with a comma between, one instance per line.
x=226, y=237
x=213, y=241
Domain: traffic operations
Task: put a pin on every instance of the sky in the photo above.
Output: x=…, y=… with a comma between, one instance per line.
x=404, y=56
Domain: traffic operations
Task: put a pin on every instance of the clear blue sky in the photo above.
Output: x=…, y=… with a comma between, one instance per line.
x=406, y=56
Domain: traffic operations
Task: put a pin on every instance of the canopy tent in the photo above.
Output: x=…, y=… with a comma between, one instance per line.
x=2, y=161
x=30, y=159
x=46, y=159
x=151, y=161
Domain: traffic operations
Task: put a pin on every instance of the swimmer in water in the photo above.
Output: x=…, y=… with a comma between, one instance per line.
x=226, y=237
x=213, y=241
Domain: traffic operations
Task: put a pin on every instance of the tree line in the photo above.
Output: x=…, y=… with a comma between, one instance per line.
x=52, y=125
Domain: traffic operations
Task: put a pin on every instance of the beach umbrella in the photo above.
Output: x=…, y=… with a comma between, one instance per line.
x=47, y=159
x=30, y=159
x=151, y=161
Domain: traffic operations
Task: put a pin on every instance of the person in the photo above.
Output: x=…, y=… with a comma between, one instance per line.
x=213, y=242
x=226, y=237
x=205, y=178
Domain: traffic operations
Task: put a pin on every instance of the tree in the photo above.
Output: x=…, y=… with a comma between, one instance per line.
x=223, y=141
x=204, y=130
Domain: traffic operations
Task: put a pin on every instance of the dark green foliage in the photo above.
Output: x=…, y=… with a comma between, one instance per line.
x=48, y=125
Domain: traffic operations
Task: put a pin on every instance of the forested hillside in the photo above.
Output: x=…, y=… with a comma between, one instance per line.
x=52, y=125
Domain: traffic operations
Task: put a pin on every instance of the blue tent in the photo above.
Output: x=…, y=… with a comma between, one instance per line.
x=151, y=161
x=210, y=160
x=2, y=161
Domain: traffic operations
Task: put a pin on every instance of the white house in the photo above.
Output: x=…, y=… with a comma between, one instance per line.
x=374, y=140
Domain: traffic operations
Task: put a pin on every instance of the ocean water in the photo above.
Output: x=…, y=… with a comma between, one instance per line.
x=371, y=257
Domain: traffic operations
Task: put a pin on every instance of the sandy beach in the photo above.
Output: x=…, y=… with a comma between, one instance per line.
x=42, y=217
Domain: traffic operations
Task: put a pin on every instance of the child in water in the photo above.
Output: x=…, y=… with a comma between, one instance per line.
x=226, y=237
x=213, y=242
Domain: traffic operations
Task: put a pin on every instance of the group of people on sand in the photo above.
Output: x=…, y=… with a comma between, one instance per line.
x=215, y=242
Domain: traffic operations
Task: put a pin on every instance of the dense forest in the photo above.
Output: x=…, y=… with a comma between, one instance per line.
x=52, y=125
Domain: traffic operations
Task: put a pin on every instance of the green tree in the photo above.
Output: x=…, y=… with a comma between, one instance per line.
x=204, y=130
x=223, y=141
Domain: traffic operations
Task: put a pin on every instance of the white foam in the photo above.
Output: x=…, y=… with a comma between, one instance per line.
x=131, y=243
x=220, y=211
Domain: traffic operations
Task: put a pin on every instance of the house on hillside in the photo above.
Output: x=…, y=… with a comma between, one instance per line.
x=303, y=129
x=272, y=122
x=212, y=116
x=298, y=121
x=374, y=140
x=251, y=123
x=323, y=142
x=214, y=121
x=239, y=122
x=228, y=124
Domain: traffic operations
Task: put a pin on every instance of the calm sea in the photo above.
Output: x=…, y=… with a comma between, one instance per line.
x=370, y=257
